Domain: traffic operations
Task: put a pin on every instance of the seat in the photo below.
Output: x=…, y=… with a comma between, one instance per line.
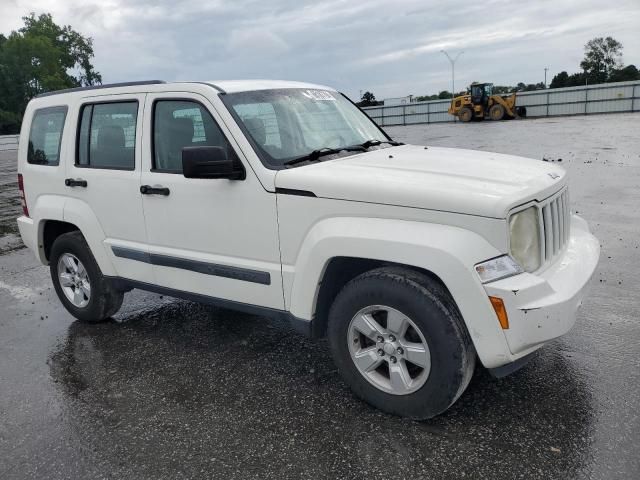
x=179, y=135
x=256, y=128
x=110, y=150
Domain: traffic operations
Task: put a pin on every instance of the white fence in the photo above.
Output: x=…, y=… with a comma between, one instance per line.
x=583, y=100
x=8, y=142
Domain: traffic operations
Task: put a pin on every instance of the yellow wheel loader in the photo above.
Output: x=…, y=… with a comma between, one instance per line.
x=480, y=103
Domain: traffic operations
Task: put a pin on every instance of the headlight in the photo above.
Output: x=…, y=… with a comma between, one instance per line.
x=524, y=229
x=497, y=268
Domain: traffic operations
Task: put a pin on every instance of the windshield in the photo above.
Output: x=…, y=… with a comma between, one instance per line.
x=286, y=124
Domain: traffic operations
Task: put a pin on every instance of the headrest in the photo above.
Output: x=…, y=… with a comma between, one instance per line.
x=182, y=130
x=257, y=129
x=110, y=136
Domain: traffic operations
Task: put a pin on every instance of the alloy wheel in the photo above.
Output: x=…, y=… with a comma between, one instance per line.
x=389, y=349
x=74, y=280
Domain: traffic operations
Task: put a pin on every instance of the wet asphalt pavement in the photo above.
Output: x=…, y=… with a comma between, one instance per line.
x=172, y=389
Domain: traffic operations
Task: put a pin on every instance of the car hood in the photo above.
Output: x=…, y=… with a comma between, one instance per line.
x=435, y=178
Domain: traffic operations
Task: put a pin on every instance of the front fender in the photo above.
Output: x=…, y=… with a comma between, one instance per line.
x=448, y=252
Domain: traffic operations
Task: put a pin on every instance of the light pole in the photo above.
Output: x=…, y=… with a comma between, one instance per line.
x=453, y=71
x=545, y=76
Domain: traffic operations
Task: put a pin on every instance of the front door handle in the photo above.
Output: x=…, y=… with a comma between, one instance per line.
x=149, y=190
x=72, y=182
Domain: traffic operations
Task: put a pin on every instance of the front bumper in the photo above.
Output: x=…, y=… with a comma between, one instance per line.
x=543, y=306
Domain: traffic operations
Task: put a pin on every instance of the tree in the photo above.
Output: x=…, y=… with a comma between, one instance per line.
x=601, y=57
x=502, y=89
x=444, y=94
x=368, y=99
x=41, y=57
x=628, y=73
x=426, y=98
x=534, y=86
x=559, y=80
x=577, y=79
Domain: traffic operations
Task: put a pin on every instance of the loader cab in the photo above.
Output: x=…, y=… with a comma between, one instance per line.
x=480, y=93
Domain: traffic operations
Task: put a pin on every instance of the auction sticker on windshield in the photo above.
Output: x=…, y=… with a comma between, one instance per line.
x=319, y=95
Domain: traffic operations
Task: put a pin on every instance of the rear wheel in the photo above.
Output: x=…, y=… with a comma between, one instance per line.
x=78, y=281
x=399, y=341
x=496, y=112
x=465, y=114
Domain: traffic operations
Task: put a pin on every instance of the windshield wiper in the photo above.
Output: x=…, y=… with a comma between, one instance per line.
x=375, y=143
x=322, y=152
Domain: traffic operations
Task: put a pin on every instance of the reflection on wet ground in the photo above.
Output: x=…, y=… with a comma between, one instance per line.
x=172, y=389
x=249, y=393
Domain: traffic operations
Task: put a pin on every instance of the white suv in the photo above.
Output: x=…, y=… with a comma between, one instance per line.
x=286, y=200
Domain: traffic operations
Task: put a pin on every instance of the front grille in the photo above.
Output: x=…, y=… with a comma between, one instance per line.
x=556, y=219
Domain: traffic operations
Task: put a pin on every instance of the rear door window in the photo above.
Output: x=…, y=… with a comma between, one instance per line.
x=45, y=136
x=107, y=137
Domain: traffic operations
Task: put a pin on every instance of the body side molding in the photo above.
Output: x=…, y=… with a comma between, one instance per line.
x=293, y=191
x=236, y=273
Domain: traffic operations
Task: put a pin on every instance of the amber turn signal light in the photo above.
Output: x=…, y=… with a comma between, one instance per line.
x=501, y=312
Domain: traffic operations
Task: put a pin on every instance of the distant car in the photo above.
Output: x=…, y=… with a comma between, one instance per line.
x=286, y=200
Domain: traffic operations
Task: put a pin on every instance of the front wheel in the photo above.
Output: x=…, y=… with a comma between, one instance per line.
x=78, y=281
x=399, y=341
x=496, y=112
x=465, y=114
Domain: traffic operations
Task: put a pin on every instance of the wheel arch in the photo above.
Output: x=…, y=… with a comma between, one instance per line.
x=72, y=215
x=50, y=230
x=336, y=250
x=341, y=270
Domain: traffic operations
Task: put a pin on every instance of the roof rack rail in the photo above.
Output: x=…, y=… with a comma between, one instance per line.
x=99, y=87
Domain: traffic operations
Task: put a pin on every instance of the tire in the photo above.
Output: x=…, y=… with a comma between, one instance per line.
x=496, y=112
x=94, y=304
x=465, y=114
x=435, y=321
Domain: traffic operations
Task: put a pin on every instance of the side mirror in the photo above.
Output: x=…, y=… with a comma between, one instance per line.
x=210, y=162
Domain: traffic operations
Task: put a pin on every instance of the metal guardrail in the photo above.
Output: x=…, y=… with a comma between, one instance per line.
x=9, y=142
x=583, y=100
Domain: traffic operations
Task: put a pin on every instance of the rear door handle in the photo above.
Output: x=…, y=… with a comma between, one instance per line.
x=72, y=182
x=149, y=190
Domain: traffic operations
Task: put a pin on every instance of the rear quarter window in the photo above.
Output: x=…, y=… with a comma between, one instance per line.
x=45, y=136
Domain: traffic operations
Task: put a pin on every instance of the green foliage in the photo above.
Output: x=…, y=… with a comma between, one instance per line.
x=368, y=100
x=626, y=74
x=426, y=98
x=40, y=57
x=601, y=57
x=529, y=87
x=368, y=97
x=503, y=89
x=602, y=63
x=559, y=80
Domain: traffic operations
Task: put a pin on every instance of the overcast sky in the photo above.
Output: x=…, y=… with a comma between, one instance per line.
x=389, y=47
